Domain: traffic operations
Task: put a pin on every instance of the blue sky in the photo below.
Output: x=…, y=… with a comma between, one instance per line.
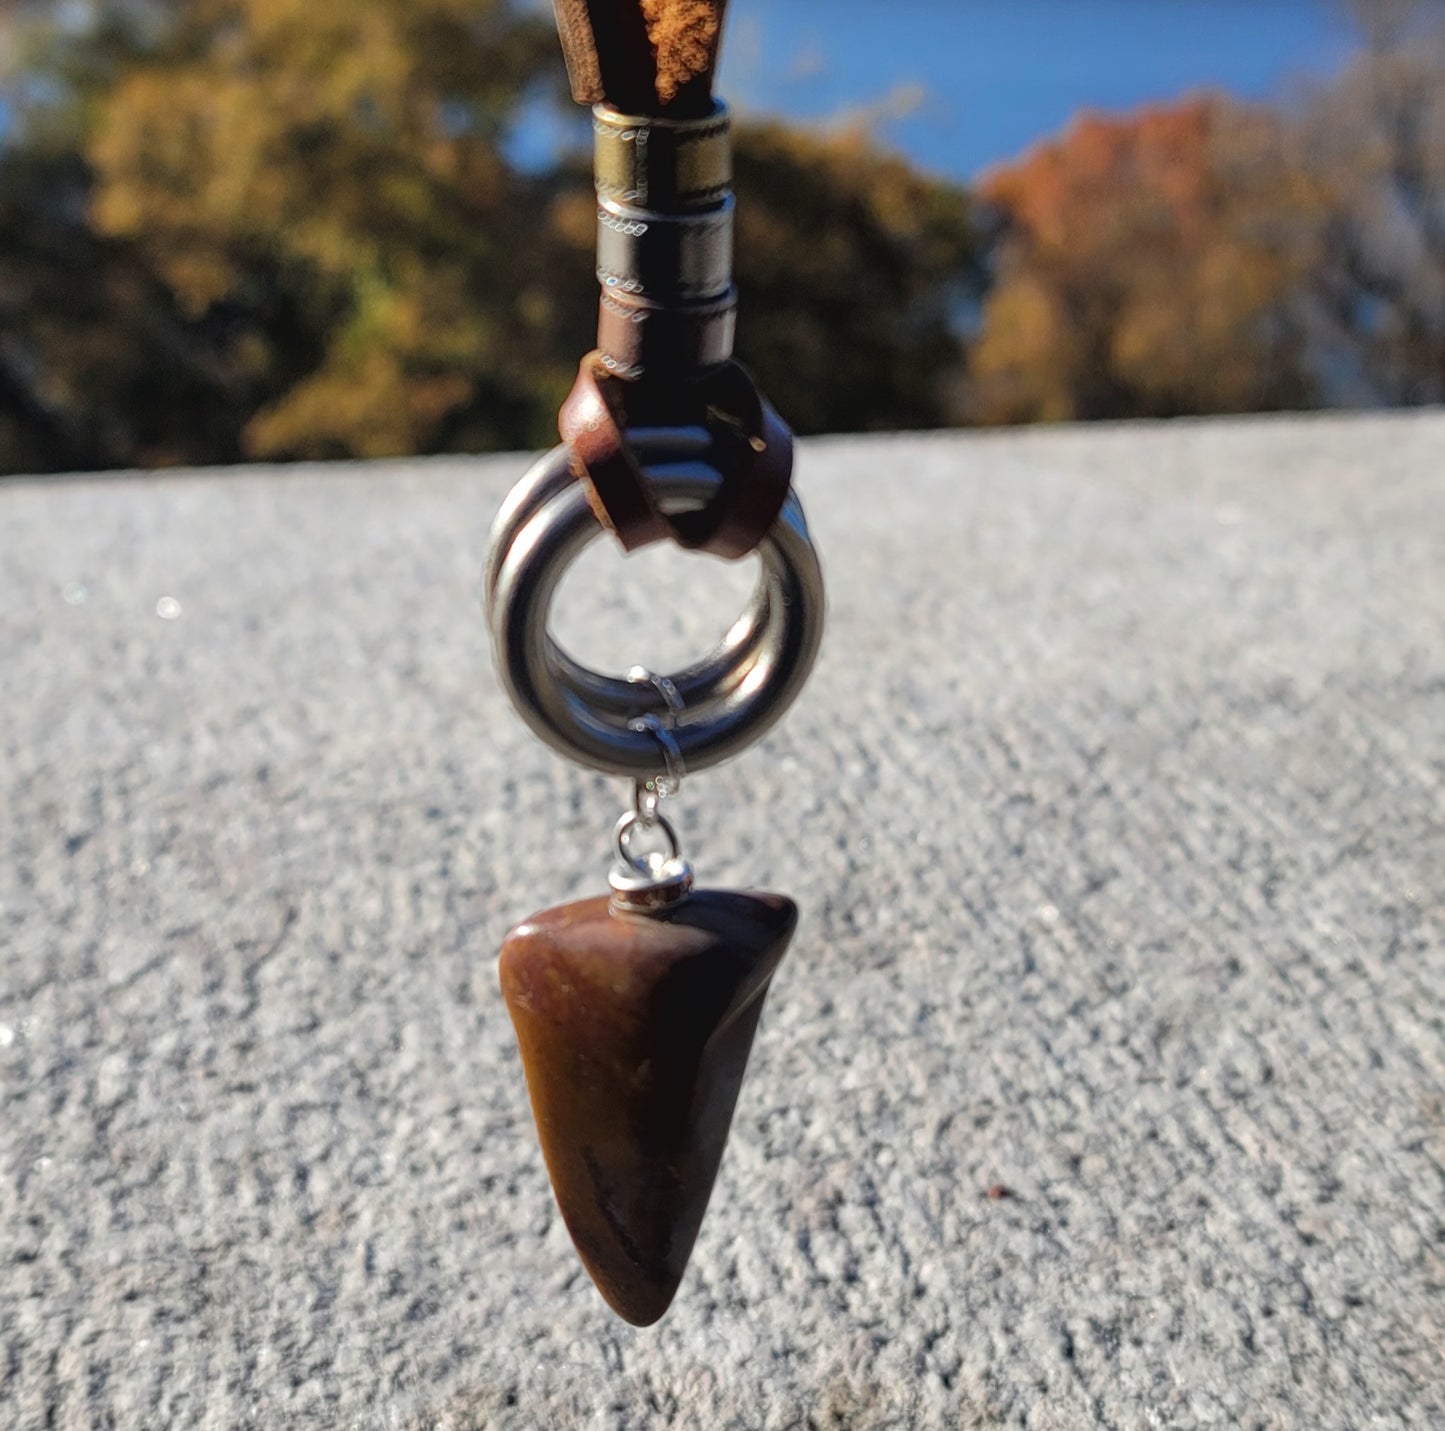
x=961, y=84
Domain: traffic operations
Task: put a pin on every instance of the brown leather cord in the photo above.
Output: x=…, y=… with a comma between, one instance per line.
x=753, y=450
x=667, y=311
x=756, y=463
x=642, y=56
x=593, y=423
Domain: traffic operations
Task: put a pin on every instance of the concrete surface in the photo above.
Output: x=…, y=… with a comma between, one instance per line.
x=1117, y=809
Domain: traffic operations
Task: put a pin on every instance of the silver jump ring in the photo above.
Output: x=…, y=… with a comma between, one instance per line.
x=647, y=865
x=674, y=768
x=646, y=802
x=641, y=676
x=729, y=699
x=647, y=882
x=647, y=794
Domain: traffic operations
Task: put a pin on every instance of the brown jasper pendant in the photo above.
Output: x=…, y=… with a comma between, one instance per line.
x=635, y=1030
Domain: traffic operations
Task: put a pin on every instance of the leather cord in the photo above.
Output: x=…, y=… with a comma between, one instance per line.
x=666, y=317
x=643, y=56
x=753, y=450
x=593, y=423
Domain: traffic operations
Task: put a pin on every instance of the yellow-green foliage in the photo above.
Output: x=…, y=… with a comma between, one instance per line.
x=346, y=157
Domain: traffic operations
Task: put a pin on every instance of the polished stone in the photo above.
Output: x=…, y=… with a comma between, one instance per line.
x=635, y=1032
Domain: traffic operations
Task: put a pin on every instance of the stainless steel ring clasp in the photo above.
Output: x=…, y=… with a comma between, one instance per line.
x=722, y=703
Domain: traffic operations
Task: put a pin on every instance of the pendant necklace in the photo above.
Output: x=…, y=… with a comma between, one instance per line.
x=635, y=1011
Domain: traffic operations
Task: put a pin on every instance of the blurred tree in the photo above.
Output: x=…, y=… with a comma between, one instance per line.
x=329, y=182
x=267, y=228
x=1377, y=137
x=97, y=366
x=856, y=276
x=1386, y=25
x=1150, y=267
x=321, y=234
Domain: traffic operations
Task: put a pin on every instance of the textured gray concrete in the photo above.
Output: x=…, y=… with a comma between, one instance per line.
x=1117, y=811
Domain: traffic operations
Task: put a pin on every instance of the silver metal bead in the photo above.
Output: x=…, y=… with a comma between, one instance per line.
x=668, y=258
x=661, y=164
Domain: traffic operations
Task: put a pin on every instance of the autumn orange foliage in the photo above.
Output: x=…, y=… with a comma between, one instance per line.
x=1148, y=267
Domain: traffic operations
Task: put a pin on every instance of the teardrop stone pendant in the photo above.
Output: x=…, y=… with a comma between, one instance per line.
x=635, y=1030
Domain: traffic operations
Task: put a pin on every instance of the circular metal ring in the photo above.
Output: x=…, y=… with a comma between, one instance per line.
x=647, y=883
x=648, y=865
x=624, y=700
x=729, y=699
